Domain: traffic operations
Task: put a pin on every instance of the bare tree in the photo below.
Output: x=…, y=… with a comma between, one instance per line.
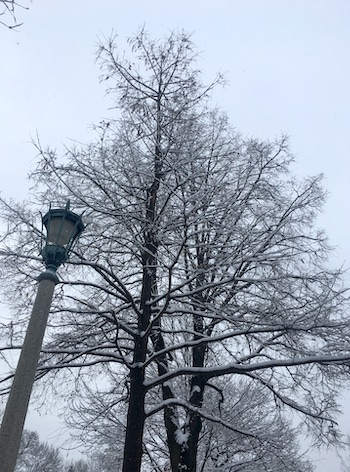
x=38, y=456
x=200, y=261
x=272, y=445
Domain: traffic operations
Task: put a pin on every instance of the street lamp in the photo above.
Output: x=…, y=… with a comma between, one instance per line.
x=63, y=228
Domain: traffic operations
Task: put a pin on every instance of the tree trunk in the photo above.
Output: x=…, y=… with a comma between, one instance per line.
x=171, y=428
x=136, y=417
x=187, y=461
x=136, y=408
x=188, y=456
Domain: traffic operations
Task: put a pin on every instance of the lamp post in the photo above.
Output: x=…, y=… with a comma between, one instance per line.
x=63, y=228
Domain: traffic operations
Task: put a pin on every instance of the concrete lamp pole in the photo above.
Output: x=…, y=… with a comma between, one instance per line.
x=63, y=228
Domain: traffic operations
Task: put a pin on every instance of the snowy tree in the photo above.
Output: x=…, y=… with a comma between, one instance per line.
x=271, y=445
x=201, y=262
x=37, y=456
x=272, y=442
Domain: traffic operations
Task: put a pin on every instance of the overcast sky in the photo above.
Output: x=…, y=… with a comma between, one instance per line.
x=286, y=63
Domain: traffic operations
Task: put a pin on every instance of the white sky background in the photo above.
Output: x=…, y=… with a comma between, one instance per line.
x=286, y=62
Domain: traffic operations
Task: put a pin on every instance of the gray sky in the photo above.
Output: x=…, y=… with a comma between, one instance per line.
x=286, y=63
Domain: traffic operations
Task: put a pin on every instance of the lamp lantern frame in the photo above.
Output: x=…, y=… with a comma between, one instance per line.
x=63, y=227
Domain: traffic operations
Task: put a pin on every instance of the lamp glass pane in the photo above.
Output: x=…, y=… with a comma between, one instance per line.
x=61, y=232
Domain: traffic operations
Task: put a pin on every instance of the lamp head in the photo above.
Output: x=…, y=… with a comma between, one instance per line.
x=63, y=227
